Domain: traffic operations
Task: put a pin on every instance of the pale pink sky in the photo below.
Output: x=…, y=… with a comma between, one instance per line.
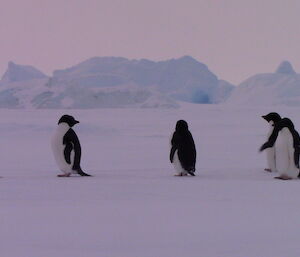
x=235, y=38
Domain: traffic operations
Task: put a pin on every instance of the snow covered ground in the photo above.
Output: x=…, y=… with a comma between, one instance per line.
x=133, y=206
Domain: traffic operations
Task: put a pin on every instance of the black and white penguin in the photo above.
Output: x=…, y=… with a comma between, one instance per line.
x=183, y=150
x=287, y=149
x=66, y=147
x=272, y=118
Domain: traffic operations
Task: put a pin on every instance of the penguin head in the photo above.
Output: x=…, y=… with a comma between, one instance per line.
x=272, y=116
x=181, y=126
x=68, y=119
x=285, y=123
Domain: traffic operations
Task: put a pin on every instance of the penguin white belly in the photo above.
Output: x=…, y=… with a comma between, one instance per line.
x=177, y=165
x=58, y=149
x=271, y=158
x=270, y=152
x=284, y=151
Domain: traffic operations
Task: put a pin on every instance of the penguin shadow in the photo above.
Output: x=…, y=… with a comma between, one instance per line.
x=276, y=176
x=196, y=176
x=73, y=176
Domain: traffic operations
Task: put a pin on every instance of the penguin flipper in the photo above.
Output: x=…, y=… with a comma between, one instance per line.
x=272, y=139
x=67, y=152
x=265, y=146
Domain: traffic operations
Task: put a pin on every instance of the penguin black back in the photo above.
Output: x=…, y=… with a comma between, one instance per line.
x=182, y=141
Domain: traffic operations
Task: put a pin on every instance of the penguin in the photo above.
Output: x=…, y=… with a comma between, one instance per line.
x=287, y=149
x=271, y=118
x=66, y=147
x=183, y=150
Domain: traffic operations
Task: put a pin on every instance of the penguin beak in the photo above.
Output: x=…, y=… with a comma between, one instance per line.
x=74, y=122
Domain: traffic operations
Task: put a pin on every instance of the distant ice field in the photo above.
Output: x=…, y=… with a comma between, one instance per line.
x=133, y=206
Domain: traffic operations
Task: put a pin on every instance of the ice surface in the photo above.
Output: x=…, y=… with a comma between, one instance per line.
x=16, y=72
x=21, y=94
x=279, y=88
x=184, y=79
x=134, y=206
x=285, y=68
x=124, y=96
x=222, y=92
x=113, y=82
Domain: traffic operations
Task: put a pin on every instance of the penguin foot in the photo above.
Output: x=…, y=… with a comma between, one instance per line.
x=180, y=174
x=284, y=177
x=192, y=173
x=64, y=175
x=269, y=170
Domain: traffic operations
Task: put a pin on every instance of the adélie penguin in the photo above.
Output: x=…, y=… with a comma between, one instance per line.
x=66, y=147
x=287, y=149
x=272, y=118
x=183, y=150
